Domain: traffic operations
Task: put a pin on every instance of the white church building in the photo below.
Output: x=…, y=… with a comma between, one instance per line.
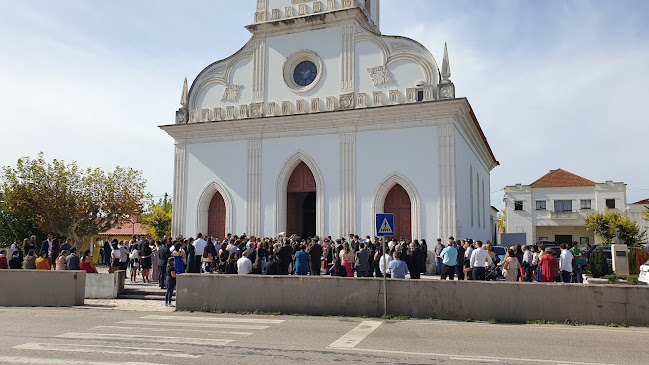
x=318, y=123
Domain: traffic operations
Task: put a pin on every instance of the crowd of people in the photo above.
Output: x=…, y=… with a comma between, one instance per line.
x=52, y=255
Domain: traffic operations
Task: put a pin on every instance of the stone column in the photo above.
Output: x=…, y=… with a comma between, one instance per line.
x=347, y=190
x=447, y=182
x=178, y=216
x=253, y=200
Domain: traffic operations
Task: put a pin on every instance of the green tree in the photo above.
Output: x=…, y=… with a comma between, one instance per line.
x=598, y=264
x=502, y=222
x=71, y=201
x=645, y=213
x=605, y=223
x=14, y=225
x=158, y=218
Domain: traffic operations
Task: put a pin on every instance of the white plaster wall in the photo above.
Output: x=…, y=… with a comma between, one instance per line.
x=369, y=55
x=275, y=152
x=467, y=160
x=411, y=152
x=241, y=74
x=225, y=162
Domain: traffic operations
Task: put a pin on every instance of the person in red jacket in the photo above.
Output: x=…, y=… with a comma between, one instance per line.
x=549, y=266
x=4, y=264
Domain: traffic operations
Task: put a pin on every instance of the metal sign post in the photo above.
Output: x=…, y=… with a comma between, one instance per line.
x=384, y=227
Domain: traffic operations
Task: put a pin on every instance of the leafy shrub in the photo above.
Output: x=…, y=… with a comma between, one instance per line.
x=632, y=257
x=598, y=265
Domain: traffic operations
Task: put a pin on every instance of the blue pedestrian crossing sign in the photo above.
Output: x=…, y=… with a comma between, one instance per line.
x=385, y=224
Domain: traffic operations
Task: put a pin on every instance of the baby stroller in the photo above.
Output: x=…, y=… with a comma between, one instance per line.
x=493, y=273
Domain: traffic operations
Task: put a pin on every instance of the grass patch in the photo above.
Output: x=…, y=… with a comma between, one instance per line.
x=470, y=320
x=573, y=322
x=400, y=317
x=540, y=321
x=493, y=321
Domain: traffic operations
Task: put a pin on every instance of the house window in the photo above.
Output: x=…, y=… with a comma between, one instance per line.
x=518, y=205
x=585, y=204
x=610, y=203
x=563, y=205
x=540, y=205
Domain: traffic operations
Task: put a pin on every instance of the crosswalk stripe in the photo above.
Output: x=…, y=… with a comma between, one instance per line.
x=49, y=361
x=201, y=325
x=218, y=319
x=176, y=329
x=158, y=339
x=105, y=350
x=356, y=335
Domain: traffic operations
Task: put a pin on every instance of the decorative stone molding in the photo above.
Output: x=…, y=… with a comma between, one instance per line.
x=347, y=59
x=203, y=206
x=331, y=103
x=281, y=187
x=347, y=4
x=347, y=101
x=331, y=5
x=429, y=93
x=315, y=105
x=275, y=14
x=193, y=116
x=205, y=115
x=231, y=92
x=288, y=12
x=447, y=181
x=317, y=7
x=411, y=95
x=286, y=108
x=380, y=75
x=295, y=59
x=230, y=112
x=361, y=102
x=300, y=106
x=301, y=10
x=415, y=202
x=446, y=91
x=260, y=16
x=377, y=98
x=243, y=111
x=271, y=110
x=217, y=114
x=431, y=75
x=259, y=70
x=394, y=97
x=261, y=4
x=347, y=183
x=253, y=199
x=178, y=216
x=182, y=116
x=257, y=110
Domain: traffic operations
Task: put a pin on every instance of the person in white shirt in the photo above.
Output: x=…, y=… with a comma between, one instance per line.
x=480, y=261
x=244, y=265
x=383, y=264
x=199, y=247
x=565, y=263
x=527, y=263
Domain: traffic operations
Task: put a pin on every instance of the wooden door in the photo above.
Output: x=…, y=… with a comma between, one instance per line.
x=216, y=217
x=397, y=202
x=301, y=181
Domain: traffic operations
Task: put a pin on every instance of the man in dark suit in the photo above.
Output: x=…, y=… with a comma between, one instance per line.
x=284, y=257
x=163, y=255
x=361, y=261
x=315, y=250
x=46, y=246
x=416, y=261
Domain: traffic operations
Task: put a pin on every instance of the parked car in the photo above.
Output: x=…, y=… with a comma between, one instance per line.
x=644, y=273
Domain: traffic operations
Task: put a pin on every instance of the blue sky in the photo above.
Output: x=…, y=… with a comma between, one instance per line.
x=554, y=84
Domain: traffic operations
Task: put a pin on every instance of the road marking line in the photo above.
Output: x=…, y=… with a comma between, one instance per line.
x=201, y=325
x=356, y=335
x=166, y=330
x=478, y=358
x=49, y=361
x=160, y=339
x=105, y=350
x=474, y=359
x=215, y=319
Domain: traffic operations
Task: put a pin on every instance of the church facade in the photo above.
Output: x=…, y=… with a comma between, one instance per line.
x=320, y=122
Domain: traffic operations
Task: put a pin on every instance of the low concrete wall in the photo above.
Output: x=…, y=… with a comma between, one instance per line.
x=42, y=288
x=104, y=286
x=459, y=300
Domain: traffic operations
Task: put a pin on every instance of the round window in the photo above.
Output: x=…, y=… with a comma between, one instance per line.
x=305, y=73
x=302, y=71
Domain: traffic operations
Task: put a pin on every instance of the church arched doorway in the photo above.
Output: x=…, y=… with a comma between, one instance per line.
x=397, y=202
x=216, y=217
x=301, y=202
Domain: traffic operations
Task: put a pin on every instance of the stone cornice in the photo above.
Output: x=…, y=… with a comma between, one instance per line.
x=415, y=115
x=317, y=20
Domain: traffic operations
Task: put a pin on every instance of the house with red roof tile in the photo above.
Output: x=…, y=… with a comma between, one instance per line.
x=554, y=206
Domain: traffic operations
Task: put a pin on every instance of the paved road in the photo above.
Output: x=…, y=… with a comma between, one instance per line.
x=94, y=336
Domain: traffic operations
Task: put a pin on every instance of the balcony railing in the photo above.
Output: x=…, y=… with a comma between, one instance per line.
x=564, y=215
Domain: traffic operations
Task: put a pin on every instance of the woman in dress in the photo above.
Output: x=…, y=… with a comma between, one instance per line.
x=224, y=254
x=178, y=256
x=114, y=257
x=154, y=272
x=337, y=269
x=206, y=261
x=549, y=266
x=134, y=260
x=231, y=264
x=86, y=263
x=347, y=258
x=30, y=261
x=193, y=266
x=60, y=261
x=510, y=266
x=145, y=261
x=27, y=245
